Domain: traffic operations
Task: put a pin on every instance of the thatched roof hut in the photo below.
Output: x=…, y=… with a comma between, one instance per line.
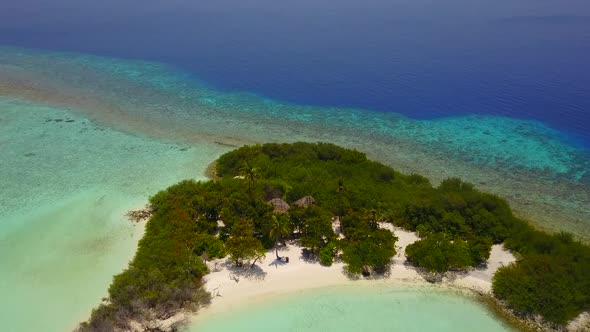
x=279, y=205
x=306, y=201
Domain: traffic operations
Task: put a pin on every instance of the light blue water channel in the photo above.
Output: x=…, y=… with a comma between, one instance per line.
x=367, y=309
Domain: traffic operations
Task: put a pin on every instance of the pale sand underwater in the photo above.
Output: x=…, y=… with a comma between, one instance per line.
x=66, y=187
x=533, y=166
x=84, y=139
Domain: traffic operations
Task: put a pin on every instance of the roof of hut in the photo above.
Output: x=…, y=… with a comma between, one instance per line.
x=306, y=201
x=279, y=205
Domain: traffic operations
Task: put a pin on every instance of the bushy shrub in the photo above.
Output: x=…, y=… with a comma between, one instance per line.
x=439, y=253
x=543, y=285
x=327, y=254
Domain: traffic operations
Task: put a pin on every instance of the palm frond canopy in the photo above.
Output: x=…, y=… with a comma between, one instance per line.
x=279, y=205
x=306, y=201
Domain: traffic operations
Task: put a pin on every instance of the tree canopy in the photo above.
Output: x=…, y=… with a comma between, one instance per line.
x=242, y=245
x=457, y=225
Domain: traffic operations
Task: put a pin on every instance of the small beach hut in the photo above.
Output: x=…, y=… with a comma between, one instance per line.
x=306, y=201
x=279, y=205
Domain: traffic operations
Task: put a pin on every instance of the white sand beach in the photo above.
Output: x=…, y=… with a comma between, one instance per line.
x=233, y=287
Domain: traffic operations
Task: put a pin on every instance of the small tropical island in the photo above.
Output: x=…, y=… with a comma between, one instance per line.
x=328, y=205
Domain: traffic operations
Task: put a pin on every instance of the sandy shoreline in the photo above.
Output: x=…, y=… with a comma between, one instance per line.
x=232, y=288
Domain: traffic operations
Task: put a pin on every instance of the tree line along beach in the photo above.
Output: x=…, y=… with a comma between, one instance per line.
x=284, y=217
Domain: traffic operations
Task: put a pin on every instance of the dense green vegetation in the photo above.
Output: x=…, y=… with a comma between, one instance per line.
x=438, y=253
x=165, y=274
x=457, y=224
x=242, y=245
x=552, y=279
x=368, y=250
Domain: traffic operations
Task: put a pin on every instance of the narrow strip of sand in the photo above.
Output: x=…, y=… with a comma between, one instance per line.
x=233, y=287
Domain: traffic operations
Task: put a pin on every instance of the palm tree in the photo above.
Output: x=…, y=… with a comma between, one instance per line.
x=278, y=229
x=372, y=217
x=249, y=173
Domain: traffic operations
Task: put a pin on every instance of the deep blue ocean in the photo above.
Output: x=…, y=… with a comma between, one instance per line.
x=105, y=102
x=425, y=59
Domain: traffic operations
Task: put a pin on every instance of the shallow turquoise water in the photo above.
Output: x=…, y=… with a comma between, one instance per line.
x=543, y=176
x=346, y=309
x=66, y=185
x=83, y=139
